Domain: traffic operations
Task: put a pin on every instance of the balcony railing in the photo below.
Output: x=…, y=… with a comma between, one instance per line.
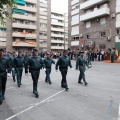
x=2, y=34
x=57, y=35
x=43, y=5
x=24, y=26
x=57, y=41
x=90, y=3
x=117, y=24
x=31, y=1
x=57, y=23
x=95, y=14
x=24, y=17
x=57, y=47
x=57, y=29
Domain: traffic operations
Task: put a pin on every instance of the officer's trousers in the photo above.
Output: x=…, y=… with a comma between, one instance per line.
x=48, y=71
x=112, y=58
x=82, y=74
x=3, y=80
x=64, y=74
x=35, y=77
x=19, y=75
x=13, y=72
x=26, y=69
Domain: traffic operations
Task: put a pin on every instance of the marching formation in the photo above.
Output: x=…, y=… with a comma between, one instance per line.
x=33, y=63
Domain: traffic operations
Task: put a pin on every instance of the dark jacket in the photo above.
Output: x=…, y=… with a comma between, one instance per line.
x=19, y=62
x=48, y=62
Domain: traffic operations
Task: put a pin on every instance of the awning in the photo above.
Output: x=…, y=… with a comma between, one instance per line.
x=18, y=11
x=20, y=2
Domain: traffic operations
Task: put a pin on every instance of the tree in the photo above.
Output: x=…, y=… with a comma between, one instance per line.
x=4, y=4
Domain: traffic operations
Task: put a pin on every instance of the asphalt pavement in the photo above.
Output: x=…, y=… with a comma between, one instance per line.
x=98, y=101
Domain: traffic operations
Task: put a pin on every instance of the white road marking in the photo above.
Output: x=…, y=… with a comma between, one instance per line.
x=119, y=113
x=35, y=105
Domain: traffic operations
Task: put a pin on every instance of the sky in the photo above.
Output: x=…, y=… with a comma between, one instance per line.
x=59, y=6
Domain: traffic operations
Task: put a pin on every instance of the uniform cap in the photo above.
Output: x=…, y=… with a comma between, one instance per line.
x=35, y=49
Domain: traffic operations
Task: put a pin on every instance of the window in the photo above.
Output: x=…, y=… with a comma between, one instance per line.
x=87, y=36
x=118, y=31
x=88, y=24
x=102, y=46
x=103, y=34
x=102, y=21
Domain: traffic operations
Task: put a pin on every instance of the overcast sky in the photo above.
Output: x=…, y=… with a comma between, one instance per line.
x=60, y=6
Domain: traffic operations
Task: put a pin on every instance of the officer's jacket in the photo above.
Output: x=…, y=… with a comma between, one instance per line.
x=4, y=64
x=12, y=61
x=63, y=62
x=48, y=62
x=81, y=62
x=19, y=62
x=35, y=63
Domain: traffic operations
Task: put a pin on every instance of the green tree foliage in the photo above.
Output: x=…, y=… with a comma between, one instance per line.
x=4, y=4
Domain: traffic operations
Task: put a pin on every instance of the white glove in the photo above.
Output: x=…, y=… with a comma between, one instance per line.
x=44, y=69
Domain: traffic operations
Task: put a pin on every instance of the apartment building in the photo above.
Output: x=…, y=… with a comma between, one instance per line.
x=28, y=29
x=59, y=31
x=92, y=24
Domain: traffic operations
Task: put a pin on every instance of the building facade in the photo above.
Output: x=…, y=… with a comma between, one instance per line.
x=28, y=29
x=92, y=24
x=59, y=31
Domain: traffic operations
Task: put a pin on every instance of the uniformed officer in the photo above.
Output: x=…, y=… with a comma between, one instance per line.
x=48, y=63
x=112, y=55
x=35, y=63
x=63, y=63
x=13, y=66
x=19, y=64
x=81, y=63
x=4, y=65
x=26, y=62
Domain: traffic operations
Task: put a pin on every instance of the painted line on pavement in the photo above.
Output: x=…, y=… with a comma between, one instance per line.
x=35, y=105
x=119, y=113
x=22, y=106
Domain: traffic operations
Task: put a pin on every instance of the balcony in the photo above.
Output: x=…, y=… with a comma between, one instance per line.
x=74, y=43
x=24, y=26
x=74, y=2
x=57, y=29
x=57, y=23
x=29, y=9
x=31, y=1
x=25, y=35
x=57, y=41
x=118, y=9
x=117, y=39
x=43, y=21
x=57, y=47
x=56, y=17
x=43, y=37
x=75, y=22
x=43, y=29
x=25, y=43
x=57, y=35
x=43, y=5
x=117, y=24
x=43, y=13
x=95, y=14
x=24, y=17
x=3, y=44
x=2, y=34
x=43, y=45
x=76, y=11
x=91, y=3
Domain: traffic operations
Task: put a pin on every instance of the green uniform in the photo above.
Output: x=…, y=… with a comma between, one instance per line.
x=4, y=65
x=81, y=63
x=19, y=64
x=48, y=63
x=63, y=63
x=35, y=64
x=26, y=63
x=13, y=67
x=112, y=55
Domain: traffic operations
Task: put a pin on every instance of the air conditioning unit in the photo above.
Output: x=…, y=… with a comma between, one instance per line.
x=113, y=15
x=119, y=36
x=108, y=38
x=90, y=43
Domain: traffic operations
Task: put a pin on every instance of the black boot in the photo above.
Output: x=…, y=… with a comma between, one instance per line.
x=14, y=79
x=35, y=92
x=1, y=97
